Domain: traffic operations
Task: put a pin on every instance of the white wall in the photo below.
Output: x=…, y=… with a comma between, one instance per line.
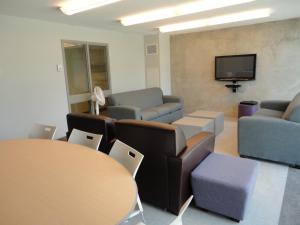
x=31, y=90
x=158, y=72
x=164, y=58
x=152, y=62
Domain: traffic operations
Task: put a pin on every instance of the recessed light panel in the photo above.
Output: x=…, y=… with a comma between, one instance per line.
x=230, y=18
x=180, y=10
x=71, y=7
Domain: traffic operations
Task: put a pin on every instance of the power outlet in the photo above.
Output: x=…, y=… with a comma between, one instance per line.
x=59, y=68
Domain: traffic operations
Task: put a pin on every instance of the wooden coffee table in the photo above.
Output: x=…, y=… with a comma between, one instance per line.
x=192, y=126
x=58, y=183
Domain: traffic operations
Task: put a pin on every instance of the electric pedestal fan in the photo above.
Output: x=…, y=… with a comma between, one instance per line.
x=99, y=98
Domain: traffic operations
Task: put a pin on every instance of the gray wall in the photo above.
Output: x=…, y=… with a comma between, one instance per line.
x=277, y=45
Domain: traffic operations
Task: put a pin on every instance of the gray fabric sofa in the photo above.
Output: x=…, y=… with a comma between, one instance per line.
x=147, y=104
x=273, y=133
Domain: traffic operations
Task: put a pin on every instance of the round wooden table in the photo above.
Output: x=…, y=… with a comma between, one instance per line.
x=57, y=183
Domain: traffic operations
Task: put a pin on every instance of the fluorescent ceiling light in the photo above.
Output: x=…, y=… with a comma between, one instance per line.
x=71, y=7
x=230, y=18
x=180, y=10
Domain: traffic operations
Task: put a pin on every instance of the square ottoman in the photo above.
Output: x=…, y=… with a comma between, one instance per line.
x=224, y=184
x=218, y=118
x=192, y=126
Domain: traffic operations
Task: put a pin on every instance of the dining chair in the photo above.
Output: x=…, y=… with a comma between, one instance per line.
x=178, y=219
x=131, y=159
x=85, y=138
x=42, y=131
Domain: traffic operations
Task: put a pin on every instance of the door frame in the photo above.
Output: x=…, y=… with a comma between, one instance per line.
x=85, y=96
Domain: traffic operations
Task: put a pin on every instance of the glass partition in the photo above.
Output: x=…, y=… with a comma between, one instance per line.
x=86, y=66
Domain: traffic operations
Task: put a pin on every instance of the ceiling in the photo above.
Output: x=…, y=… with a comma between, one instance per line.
x=107, y=17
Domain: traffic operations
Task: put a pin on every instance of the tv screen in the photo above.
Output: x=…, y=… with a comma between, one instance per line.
x=235, y=67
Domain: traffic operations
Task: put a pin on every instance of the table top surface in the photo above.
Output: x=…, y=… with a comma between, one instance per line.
x=204, y=113
x=57, y=183
x=193, y=121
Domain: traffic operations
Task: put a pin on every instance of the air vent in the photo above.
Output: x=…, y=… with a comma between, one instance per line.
x=151, y=49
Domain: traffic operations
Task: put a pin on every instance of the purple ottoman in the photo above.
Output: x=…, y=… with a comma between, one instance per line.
x=247, y=108
x=224, y=184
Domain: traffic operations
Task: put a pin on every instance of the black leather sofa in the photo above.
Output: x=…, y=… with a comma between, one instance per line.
x=93, y=124
x=163, y=178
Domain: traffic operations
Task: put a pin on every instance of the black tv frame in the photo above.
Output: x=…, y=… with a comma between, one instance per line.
x=235, y=78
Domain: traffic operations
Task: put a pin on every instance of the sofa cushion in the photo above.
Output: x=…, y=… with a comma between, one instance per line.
x=167, y=108
x=143, y=99
x=180, y=140
x=269, y=113
x=292, y=112
x=149, y=114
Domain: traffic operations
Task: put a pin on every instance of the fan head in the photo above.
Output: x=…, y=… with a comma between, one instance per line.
x=99, y=96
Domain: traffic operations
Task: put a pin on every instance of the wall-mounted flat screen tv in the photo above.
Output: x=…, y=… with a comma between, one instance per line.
x=235, y=67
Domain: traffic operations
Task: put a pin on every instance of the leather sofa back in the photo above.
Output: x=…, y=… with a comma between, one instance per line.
x=157, y=142
x=163, y=138
x=163, y=178
x=93, y=124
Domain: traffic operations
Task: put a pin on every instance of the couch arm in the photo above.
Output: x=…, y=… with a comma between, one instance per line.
x=172, y=99
x=278, y=105
x=124, y=112
x=180, y=168
x=269, y=138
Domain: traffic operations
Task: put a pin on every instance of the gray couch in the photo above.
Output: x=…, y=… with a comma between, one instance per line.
x=273, y=133
x=147, y=104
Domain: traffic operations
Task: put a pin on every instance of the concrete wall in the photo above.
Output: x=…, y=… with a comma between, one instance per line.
x=277, y=45
x=31, y=89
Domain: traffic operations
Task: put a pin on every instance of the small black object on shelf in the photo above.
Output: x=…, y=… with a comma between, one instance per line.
x=234, y=86
x=249, y=102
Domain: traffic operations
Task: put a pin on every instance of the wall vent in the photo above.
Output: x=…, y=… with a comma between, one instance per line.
x=151, y=49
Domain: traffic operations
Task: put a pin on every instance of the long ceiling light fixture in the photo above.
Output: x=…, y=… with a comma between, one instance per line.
x=230, y=18
x=180, y=10
x=71, y=7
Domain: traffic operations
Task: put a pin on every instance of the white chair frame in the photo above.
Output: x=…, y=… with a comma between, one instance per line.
x=85, y=138
x=131, y=159
x=42, y=131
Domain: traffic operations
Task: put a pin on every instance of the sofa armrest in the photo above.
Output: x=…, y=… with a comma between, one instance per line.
x=180, y=168
x=172, y=99
x=278, y=105
x=124, y=112
x=269, y=138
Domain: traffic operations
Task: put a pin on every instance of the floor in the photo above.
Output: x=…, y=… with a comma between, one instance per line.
x=290, y=211
x=226, y=142
x=265, y=207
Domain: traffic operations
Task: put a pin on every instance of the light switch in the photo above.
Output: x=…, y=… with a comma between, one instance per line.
x=59, y=67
